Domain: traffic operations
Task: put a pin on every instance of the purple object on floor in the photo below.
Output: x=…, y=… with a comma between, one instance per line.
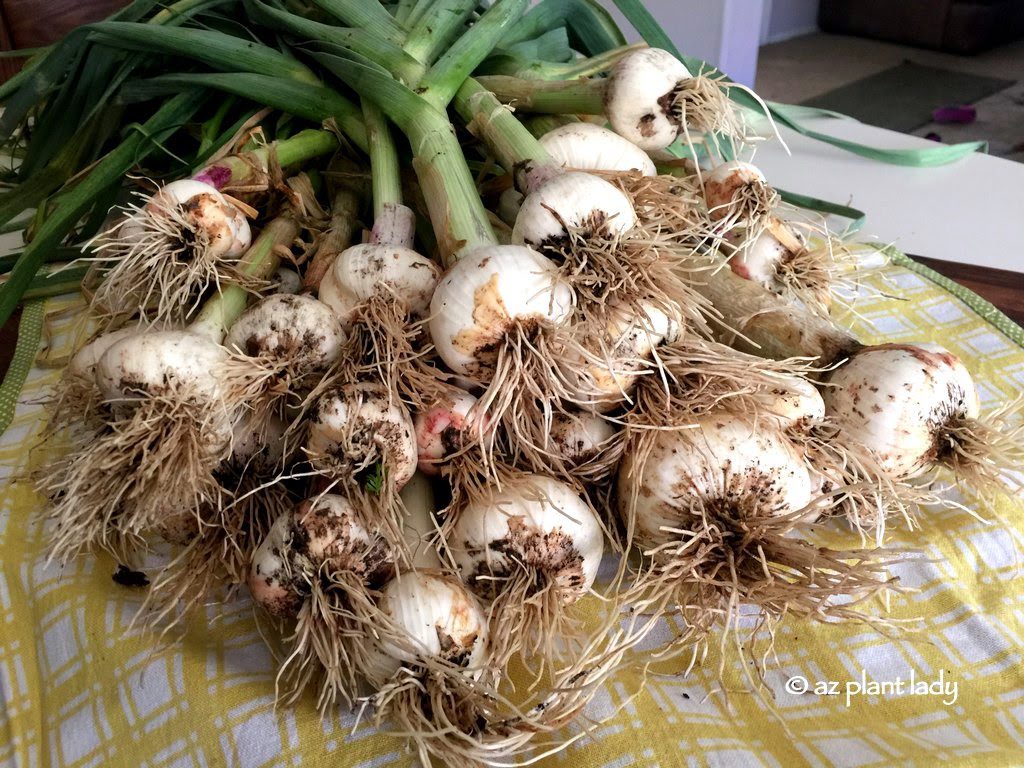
x=955, y=114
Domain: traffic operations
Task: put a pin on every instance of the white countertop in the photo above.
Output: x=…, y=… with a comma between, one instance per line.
x=971, y=211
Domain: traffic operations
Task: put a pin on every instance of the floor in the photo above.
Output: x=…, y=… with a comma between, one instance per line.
x=807, y=66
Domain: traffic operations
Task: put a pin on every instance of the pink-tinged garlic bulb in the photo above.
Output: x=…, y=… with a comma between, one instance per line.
x=447, y=428
x=588, y=147
x=906, y=404
x=739, y=194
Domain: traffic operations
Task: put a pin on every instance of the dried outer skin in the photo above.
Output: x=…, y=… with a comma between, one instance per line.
x=778, y=329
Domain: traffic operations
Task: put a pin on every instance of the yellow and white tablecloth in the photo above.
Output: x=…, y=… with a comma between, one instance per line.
x=79, y=687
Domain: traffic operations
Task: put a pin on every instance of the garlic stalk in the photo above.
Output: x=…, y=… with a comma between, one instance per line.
x=381, y=290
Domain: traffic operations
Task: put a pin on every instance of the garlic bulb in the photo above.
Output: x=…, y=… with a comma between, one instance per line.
x=575, y=200
x=176, y=364
x=293, y=328
x=393, y=273
x=321, y=537
x=795, y=403
x=604, y=377
x=83, y=363
x=432, y=617
x=579, y=437
x=726, y=183
x=725, y=465
x=222, y=228
x=509, y=203
x=257, y=447
x=287, y=280
x=446, y=429
x=898, y=401
x=535, y=524
x=487, y=295
x=354, y=426
x=589, y=147
x=640, y=94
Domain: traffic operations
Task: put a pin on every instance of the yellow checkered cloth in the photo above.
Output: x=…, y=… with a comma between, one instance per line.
x=79, y=687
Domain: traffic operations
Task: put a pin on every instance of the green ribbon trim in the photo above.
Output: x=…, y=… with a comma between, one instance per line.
x=30, y=332
x=981, y=307
x=942, y=154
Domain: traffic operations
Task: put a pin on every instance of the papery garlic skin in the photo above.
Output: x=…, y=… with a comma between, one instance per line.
x=271, y=580
x=723, y=462
x=589, y=147
x=639, y=96
x=486, y=293
x=294, y=328
x=572, y=199
x=896, y=400
x=535, y=522
x=368, y=270
x=362, y=420
x=436, y=619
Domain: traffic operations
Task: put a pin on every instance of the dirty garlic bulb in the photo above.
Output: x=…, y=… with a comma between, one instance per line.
x=392, y=272
x=906, y=404
x=725, y=465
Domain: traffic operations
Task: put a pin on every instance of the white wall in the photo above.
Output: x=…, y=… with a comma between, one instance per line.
x=726, y=33
x=784, y=19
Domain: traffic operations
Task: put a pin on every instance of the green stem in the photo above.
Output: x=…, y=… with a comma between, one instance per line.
x=211, y=129
x=45, y=285
x=404, y=10
x=437, y=27
x=70, y=207
x=216, y=49
x=359, y=41
x=515, y=148
x=165, y=15
x=248, y=167
x=456, y=211
x=260, y=261
x=384, y=170
x=364, y=14
x=444, y=78
x=539, y=125
x=548, y=70
x=572, y=97
x=312, y=102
